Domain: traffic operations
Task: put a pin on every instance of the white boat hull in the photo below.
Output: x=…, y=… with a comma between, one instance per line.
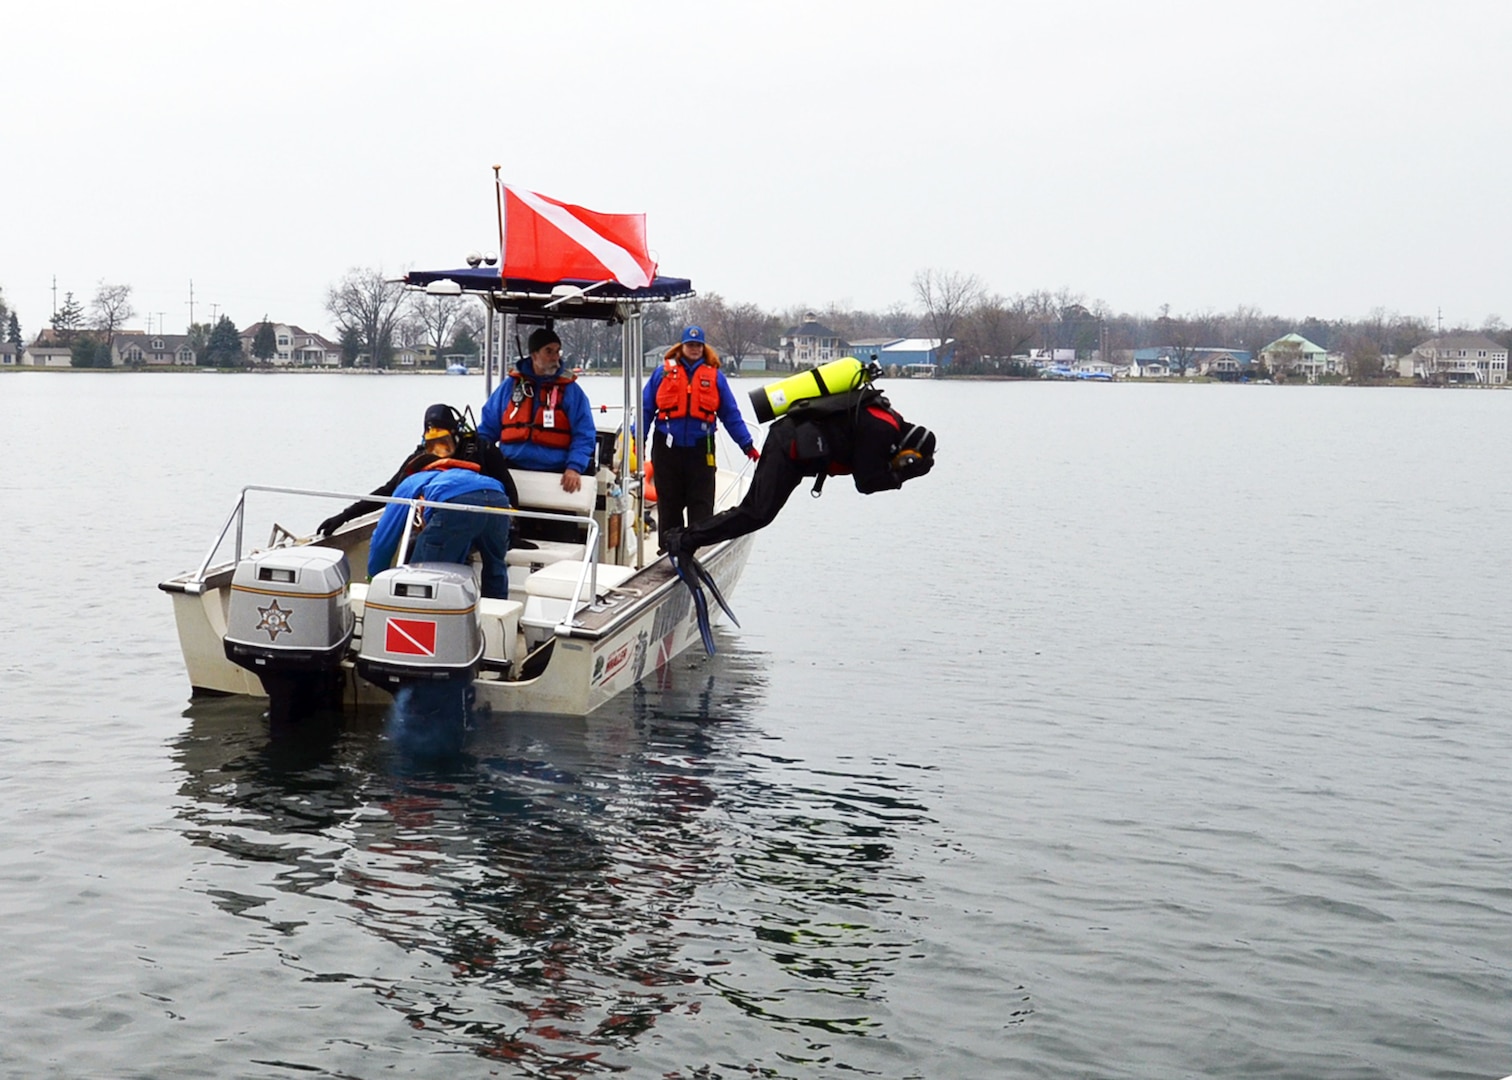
x=610, y=647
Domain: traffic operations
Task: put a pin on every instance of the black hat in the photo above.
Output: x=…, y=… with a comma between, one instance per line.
x=440, y=421
x=542, y=337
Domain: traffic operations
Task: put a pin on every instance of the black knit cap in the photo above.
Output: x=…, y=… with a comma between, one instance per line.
x=542, y=337
x=440, y=420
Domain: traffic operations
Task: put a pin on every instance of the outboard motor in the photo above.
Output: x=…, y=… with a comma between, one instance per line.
x=420, y=624
x=290, y=622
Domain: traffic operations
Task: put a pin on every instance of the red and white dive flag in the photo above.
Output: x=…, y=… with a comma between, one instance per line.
x=547, y=240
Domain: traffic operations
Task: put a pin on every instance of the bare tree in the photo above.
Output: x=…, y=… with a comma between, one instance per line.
x=736, y=330
x=111, y=308
x=996, y=329
x=1362, y=357
x=898, y=320
x=1184, y=335
x=591, y=343
x=468, y=330
x=1283, y=357
x=1045, y=308
x=434, y=320
x=946, y=297
x=366, y=305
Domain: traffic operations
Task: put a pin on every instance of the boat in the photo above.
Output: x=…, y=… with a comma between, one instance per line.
x=592, y=609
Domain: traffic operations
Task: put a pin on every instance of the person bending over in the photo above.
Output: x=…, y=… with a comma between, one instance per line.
x=440, y=421
x=448, y=536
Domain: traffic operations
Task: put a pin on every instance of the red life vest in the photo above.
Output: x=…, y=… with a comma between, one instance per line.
x=681, y=394
x=452, y=463
x=524, y=422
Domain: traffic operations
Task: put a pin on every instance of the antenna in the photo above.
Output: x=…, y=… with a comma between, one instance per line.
x=191, y=301
x=55, y=294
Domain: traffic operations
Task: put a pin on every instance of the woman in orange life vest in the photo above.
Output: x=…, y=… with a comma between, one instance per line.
x=686, y=397
x=540, y=417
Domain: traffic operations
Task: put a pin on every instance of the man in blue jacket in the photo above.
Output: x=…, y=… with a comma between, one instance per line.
x=448, y=537
x=686, y=397
x=540, y=417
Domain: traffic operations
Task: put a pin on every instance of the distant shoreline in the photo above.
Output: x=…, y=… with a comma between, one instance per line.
x=1181, y=380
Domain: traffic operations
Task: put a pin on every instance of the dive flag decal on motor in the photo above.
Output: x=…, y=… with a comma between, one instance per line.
x=410, y=637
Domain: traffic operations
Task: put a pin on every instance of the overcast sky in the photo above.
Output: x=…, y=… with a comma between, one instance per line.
x=1307, y=158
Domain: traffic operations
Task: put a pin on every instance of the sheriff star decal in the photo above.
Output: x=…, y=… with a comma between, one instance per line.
x=275, y=620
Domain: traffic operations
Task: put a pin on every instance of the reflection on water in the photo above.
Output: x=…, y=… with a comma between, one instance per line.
x=567, y=884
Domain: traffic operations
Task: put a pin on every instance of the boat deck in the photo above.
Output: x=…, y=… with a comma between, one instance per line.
x=596, y=618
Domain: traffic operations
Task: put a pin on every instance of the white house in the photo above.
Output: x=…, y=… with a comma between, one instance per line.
x=49, y=350
x=1461, y=358
x=1293, y=352
x=295, y=347
x=136, y=348
x=810, y=344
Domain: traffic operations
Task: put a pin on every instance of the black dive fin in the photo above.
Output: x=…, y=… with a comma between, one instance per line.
x=713, y=587
x=700, y=602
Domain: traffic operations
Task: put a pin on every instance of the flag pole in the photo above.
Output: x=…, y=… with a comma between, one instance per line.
x=499, y=206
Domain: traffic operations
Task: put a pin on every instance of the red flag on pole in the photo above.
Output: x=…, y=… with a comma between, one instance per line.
x=547, y=240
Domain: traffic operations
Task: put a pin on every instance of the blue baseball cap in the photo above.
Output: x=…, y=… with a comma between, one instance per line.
x=693, y=333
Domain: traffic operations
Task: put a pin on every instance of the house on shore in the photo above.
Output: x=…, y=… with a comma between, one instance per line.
x=137, y=348
x=810, y=344
x=1459, y=358
x=294, y=347
x=50, y=349
x=1294, y=354
x=1215, y=362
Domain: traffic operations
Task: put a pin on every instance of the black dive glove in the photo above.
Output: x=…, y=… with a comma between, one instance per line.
x=329, y=525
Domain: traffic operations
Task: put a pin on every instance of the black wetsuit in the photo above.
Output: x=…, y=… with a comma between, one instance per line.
x=470, y=447
x=855, y=433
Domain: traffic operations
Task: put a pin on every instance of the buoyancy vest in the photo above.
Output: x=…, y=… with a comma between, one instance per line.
x=545, y=423
x=824, y=429
x=683, y=393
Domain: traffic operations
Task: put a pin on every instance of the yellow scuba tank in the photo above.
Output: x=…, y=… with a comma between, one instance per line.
x=836, y=377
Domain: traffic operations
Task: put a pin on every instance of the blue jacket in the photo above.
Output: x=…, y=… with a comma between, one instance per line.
x=685, y=430
x=529, y=455
x=440, y=485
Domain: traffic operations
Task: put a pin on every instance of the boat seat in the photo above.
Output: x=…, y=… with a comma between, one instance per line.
x=544, y=553
x=543, y=491
x=548, y=593
x=551, y=542
x=559, y=579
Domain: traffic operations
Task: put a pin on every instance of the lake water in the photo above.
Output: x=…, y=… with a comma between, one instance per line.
x=1161, y=731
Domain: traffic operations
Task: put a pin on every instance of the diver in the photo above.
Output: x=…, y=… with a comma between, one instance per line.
x=441, y=421
x=855, y=432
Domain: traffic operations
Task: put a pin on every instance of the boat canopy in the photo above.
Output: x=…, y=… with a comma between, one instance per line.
x=567, y=299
